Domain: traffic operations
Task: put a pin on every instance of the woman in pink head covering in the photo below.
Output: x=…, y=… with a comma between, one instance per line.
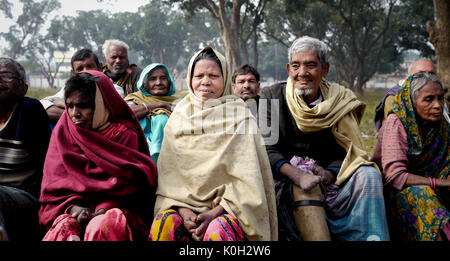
x=99, y=180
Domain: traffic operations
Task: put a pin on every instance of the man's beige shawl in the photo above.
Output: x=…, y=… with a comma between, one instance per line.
x=341, y=111
x=210, y=158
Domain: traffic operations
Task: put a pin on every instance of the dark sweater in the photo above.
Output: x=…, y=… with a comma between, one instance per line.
x=320, y=146
x=135, y=74
x=23, y=146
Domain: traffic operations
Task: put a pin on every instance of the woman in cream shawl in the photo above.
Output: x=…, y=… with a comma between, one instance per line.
x=215, y=180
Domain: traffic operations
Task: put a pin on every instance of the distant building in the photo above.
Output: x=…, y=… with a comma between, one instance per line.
x=62, y=60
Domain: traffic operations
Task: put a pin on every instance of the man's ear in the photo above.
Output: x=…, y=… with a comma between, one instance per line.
x=23, y=89
x=326, y=70
x=287, y=67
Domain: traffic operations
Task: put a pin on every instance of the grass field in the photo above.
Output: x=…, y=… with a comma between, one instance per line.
x=39, y=93
x=371, y=98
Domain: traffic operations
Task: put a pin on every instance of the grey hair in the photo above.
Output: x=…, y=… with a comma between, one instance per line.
x=306, y=43
x=18, y=68
x=116, y=42
x=419, y=80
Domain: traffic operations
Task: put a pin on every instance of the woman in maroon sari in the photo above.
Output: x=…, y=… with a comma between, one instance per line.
x=99, y=180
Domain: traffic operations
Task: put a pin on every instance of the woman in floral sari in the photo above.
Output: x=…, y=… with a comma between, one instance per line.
x=413, y=151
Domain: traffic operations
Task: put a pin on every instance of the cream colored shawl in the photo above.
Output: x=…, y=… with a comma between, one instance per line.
x=342, y=112
x=212, y=154
x=100, y=120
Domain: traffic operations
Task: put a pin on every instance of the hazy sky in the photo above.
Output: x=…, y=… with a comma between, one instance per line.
x=69, y=8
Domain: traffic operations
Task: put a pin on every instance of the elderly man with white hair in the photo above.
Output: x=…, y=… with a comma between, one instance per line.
x=325, y=184
x=118, y=68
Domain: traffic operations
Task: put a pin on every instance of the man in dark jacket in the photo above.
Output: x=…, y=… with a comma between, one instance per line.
x=24, y=138
x=314, y=144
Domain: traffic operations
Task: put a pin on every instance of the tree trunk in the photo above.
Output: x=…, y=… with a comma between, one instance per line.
x=359, y=87
x=244, y=51
x=232, y=48
x=255, y=49
x=229, y=29
x=439, y=31
x=360, y=79
x=351, y=82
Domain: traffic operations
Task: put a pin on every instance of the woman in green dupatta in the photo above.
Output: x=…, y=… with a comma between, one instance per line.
x=413, y=151
x=153, y=103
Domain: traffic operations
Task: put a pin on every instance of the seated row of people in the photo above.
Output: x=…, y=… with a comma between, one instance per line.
x=302, y=174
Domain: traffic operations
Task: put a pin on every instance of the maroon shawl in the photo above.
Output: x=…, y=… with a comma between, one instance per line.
x=87, y=168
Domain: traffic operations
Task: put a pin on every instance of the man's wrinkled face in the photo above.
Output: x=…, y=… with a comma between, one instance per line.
x=117, y=59
x=306, y=72
x=246, y=86
x=11, y=88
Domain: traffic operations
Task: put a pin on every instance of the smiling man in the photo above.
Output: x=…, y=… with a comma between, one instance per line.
x=319, y=122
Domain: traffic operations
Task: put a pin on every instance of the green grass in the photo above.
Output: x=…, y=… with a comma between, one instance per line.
x=371, y=98
x=39, y=93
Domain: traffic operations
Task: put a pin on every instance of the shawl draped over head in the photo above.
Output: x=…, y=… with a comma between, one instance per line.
x=428, y=153
x=144, y=97
x=342, y=112
x=210, y=158
x=84, y=167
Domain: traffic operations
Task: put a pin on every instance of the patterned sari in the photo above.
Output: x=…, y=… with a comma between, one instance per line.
x=420, y=212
